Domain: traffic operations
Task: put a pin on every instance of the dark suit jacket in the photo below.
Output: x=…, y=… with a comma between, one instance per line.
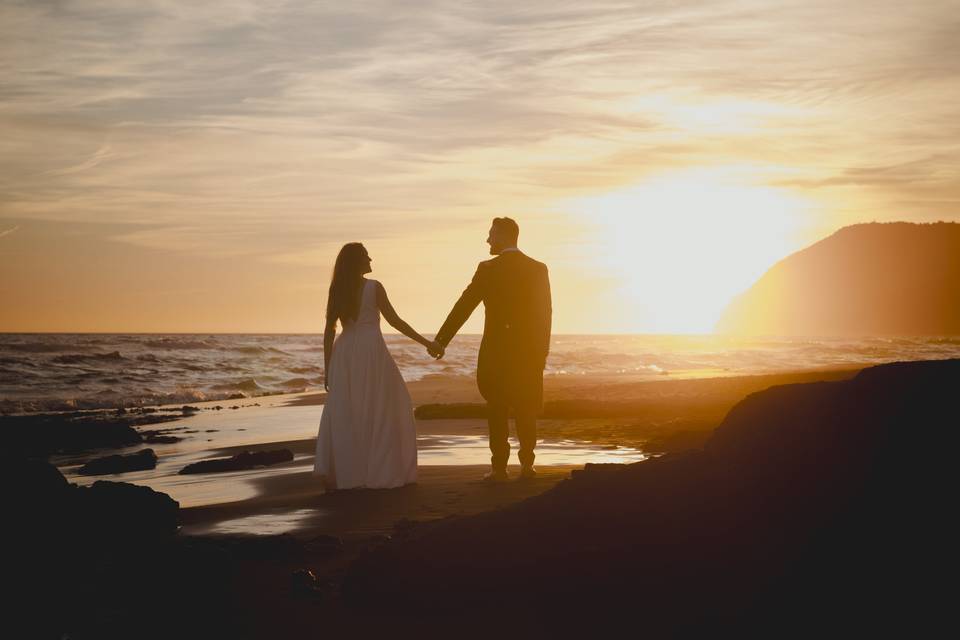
x=515, y=291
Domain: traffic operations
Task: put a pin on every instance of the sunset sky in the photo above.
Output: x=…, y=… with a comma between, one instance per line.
x=195, y=166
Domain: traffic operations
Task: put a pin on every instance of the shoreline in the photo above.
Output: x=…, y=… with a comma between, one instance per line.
x=434, y=387
x=652, y=417
x=773, y=471
x=671, y=415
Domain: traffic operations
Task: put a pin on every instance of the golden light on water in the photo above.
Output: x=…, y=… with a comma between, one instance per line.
x=680, y=245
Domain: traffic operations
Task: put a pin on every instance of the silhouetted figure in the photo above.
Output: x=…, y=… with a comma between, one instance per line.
x=367, y=435
x=515, y=291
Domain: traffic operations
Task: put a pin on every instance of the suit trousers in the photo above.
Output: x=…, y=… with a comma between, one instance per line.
x=498, y=415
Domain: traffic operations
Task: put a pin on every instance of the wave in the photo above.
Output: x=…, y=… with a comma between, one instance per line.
x=39, y=347
x=295, y=382
x=256, y=350
x=25, y=362
x=176, y=343
x=73, y=358
x=248, y=384
x=304, y=369
x=140, y=370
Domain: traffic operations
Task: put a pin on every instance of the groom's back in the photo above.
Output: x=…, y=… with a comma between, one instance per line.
x=518, y=306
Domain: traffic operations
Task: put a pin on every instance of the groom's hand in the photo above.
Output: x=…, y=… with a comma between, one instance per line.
x=436, y=350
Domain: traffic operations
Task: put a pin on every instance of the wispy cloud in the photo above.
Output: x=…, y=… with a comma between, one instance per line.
x=331, y=118
x=6, y=232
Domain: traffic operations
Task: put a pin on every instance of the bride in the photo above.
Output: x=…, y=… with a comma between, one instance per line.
x=367, y=436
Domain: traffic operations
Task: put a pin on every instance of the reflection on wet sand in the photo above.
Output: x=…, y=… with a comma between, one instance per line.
x=454, y=450
x=467, y=449
x=271, y=523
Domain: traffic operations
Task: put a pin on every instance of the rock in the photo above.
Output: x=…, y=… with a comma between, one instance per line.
x=593, y=470
x=453, y=410
x=123, y=514
x=818, y=504
x=239, y=462
x=73, y=562
x=46, y=434
x=33, y=483
x=161, y=439
x=304, y=583
x=144, y=459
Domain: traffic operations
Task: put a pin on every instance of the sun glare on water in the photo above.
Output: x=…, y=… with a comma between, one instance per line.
x=679, y=247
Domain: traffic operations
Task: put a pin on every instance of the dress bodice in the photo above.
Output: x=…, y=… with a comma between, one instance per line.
x=369, y=313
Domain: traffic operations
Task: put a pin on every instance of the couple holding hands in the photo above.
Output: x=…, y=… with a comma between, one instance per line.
x=367, y=436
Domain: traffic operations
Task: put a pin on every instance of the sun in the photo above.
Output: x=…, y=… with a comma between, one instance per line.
x=681, y=245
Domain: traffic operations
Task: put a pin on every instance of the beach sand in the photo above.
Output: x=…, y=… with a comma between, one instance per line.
x=657, y=416
x=232, y=582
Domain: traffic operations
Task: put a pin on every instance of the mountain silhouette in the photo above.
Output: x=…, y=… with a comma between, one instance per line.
x=894, y=278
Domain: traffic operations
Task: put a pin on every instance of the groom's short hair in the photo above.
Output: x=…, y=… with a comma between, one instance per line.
x=509, y=227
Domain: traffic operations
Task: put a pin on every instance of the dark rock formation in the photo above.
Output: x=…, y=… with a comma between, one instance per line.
x=451, y=410
x=812, y=504
x=44, y=434
x=44, y=505
x=123, y=514
x=139, y=461
x=156, y=439
x=69, y=547
x=304, y=584
x=239, y=462
x=552, y=409
x=866, y=279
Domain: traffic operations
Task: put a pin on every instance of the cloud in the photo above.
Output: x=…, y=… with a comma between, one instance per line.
x=213, y=124
x=6, y=232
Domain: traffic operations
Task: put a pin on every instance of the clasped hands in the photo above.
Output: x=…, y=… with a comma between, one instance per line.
x=435, y=349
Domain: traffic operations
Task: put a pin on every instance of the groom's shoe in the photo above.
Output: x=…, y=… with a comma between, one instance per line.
x=527, y=472
x=497, y=475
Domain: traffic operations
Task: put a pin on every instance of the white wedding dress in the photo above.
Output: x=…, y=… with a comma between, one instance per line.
x=367, y=434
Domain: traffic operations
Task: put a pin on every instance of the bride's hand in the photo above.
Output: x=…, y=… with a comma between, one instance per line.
x=435, y=349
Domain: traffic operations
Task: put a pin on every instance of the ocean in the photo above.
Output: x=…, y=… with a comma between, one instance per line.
x=53, y=372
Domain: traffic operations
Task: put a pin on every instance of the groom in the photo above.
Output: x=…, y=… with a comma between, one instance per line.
x=515, y=291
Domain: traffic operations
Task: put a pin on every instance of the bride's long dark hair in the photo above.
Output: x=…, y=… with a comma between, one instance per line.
x=343, y=301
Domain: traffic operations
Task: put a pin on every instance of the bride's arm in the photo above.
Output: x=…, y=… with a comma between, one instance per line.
x=383, y=303
x=329, y=333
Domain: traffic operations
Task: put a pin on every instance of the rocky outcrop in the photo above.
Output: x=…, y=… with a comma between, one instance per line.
x=810, y=503
x=139, y=461
x=70, y=546
x=867, y=279
x=240, y=462
x=39, y=435
x=124, y=514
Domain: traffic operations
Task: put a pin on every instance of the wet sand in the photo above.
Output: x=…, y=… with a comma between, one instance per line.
x=592, y=420
x=661, y=416
x=224, y=581
x=295, y=503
